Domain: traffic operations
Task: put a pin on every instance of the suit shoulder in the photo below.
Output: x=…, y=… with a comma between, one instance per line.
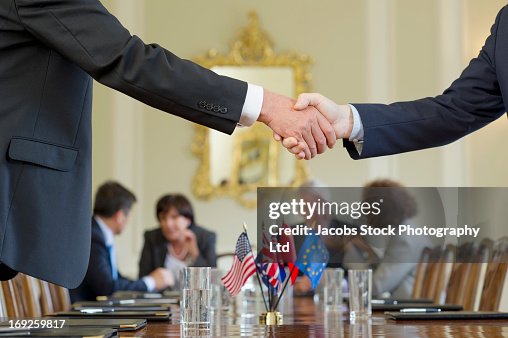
x=154, y=235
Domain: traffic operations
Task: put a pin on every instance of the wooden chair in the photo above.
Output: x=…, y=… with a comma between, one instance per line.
x=30, y=294
x=60, y=297
x=3, y=306
x=421, y=270
x=444, y=271
x=495, y=277
x=45, y=300
x=438, y=270
x=460, y=274
x=478, y=268
x=10, y=297
x=25, y=296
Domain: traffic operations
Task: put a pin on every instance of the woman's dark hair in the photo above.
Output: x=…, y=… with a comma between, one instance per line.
x=177, y=201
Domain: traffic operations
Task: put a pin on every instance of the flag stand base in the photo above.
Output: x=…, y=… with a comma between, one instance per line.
x=271, y=318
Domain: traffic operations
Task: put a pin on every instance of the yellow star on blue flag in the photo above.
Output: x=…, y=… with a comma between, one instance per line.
x=313, y=258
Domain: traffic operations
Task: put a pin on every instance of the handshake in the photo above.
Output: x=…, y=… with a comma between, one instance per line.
x=308, y=126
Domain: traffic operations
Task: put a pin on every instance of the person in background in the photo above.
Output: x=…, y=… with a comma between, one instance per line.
x=178, y=242
x=113, y=204
x=392, y=258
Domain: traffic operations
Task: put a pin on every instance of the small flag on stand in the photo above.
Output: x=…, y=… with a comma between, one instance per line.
x=272, y=274
x=313, y=258
x=243, y=267
x=268, y=265
x=289, y=258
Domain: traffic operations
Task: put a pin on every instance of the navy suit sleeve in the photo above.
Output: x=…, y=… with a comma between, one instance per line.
x=99, y=278
x=471, y=102
x=87, y=34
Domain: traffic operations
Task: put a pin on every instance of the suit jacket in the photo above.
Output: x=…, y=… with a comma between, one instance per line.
x=99, y=279
x=477, y=98
x=156, y=247
x=49, y=52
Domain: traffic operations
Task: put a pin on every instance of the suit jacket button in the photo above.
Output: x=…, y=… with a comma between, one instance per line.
x=216, y=109
x=202, y=104
x=224, y=110
x=209, y=107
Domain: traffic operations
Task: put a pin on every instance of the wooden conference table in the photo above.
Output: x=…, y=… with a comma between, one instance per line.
x=308, y=321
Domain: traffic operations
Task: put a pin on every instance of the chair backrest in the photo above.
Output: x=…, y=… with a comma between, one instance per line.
x=30, y=295
x=478, y=268
x=46, y=302
x=421, y=270
x=444, y=271
x=460, y=274
x=11, y=299
x=60, y=297
x=431, y=275
x=495, y=277
x=25, y=296
x=438, y=270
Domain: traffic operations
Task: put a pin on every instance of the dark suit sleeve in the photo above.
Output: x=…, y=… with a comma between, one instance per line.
x=472, y=101
x=146, y=262
x=99, y=278
x=207, y=254
x=87, y=34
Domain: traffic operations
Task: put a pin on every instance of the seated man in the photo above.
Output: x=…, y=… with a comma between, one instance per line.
x=113, y=203
x=178, y=241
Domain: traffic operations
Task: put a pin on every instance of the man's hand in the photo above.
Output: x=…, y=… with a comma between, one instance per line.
x=310, y=129
x=163, y=278
x=339, y=116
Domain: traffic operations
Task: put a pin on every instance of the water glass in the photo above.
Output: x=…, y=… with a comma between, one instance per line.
x=333, y=289
x=360, y=293
x=195, y=306
x=220, y=298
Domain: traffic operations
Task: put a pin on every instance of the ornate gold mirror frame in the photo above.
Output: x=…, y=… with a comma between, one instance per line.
x=253, y=48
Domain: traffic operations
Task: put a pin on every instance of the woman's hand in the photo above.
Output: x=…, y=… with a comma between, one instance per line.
x=191, y=244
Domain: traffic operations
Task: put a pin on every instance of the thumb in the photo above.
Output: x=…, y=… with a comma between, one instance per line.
x=307, y=99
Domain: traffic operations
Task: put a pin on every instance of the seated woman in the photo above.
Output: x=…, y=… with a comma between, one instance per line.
x=178, y=242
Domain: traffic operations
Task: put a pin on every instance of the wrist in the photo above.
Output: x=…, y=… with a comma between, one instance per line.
x=344, y=125
x=264, y=115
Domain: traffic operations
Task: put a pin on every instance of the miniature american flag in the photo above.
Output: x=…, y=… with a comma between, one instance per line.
x=243, y=267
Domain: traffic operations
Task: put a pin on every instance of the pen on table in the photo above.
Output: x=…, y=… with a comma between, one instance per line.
x=97, y=310
x=384, y=301
x=420, y=310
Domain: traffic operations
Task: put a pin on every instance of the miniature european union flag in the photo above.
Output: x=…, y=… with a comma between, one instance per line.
x=313, y=258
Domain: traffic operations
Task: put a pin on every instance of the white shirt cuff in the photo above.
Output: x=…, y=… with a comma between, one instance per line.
x=252, y=105
x=149, y=282
x=357, y=133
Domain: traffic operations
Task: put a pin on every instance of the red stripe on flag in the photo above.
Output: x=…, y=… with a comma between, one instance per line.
x=239, y=273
